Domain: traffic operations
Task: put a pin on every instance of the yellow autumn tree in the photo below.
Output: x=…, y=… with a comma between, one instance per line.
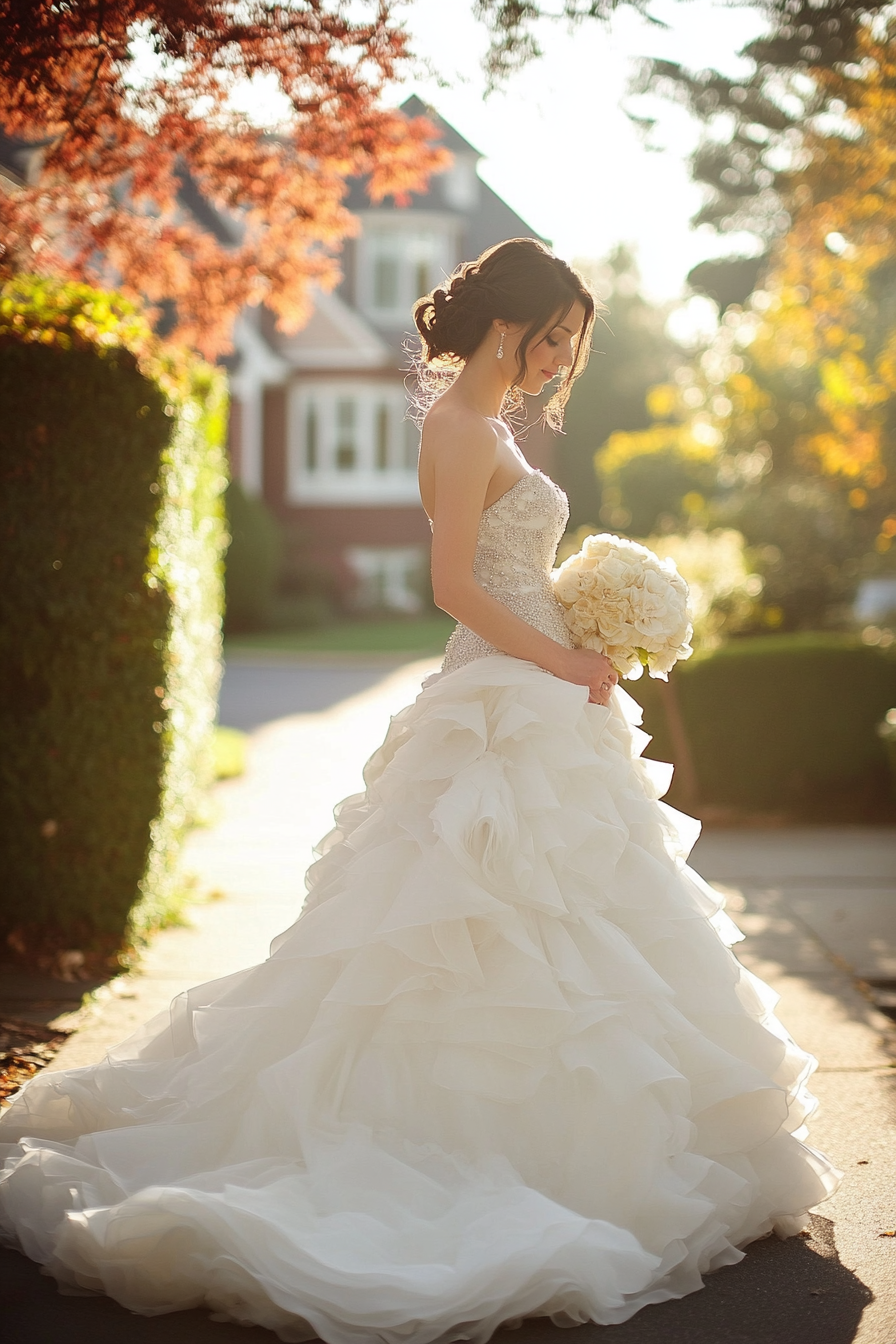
x=794, y=401
x=841, y=252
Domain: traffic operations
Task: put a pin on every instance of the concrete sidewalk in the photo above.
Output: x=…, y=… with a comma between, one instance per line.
x=261, y=687
x=815, y=904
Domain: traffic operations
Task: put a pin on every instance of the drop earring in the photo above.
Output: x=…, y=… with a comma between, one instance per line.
x=500, y=354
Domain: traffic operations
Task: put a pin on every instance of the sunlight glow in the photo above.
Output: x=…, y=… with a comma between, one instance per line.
x=559, y=147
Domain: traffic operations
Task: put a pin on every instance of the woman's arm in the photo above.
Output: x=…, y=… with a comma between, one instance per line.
x=459, y=467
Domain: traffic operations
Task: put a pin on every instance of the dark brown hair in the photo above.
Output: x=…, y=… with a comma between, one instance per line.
x=520, y=281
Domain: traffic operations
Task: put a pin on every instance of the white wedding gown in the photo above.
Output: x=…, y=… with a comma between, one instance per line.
x=503, y=1064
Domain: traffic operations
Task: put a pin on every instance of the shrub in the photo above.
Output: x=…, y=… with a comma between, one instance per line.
x=254, y=557
x=230, y=752
x=648, y=474
x=782, y=722
x=111, y=536
x=722, y=589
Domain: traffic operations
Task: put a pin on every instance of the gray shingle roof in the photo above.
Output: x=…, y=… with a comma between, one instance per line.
x=490, y=221
x=14, y=157
x=450, y=138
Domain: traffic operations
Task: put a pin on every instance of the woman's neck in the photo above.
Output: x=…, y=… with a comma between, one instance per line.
x=482, y=383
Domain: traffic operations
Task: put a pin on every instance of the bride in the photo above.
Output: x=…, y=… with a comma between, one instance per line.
x=504, y=1063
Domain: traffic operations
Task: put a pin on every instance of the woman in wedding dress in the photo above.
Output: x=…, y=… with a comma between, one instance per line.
x=504, y=1064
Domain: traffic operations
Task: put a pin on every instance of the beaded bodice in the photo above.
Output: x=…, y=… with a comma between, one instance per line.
x=515, y=550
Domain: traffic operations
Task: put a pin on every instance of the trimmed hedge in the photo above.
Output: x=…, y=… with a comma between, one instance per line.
x=784, y=722
x=112, y=470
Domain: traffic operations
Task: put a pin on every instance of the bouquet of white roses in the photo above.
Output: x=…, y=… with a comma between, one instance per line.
x=622, y=600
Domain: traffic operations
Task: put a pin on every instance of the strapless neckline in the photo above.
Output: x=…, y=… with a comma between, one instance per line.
x=528, y=476
x=501, y=498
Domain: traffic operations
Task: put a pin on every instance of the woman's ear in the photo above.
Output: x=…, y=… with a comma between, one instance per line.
x=501, y=326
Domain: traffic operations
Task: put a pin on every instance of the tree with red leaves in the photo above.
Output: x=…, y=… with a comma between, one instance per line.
x=143, y=173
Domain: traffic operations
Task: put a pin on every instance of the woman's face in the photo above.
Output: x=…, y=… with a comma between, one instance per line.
x=553, y=350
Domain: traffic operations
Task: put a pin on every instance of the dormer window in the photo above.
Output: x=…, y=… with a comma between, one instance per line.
x=386, y=287
x=399, y=261
x=460, y=183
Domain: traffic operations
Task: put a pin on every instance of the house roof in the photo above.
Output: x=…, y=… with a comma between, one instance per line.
x=449, y=137
x=224, y=228
x=493, y=221
x=489, y=221
x=15, y=158
x=336, y=336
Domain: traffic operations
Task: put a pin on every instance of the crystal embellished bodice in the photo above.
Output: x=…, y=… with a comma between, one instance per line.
x=515, y=550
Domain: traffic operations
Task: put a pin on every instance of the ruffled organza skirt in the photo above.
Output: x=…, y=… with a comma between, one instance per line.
x=504, y=1064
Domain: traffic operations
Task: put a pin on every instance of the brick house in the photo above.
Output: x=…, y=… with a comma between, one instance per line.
x=319, y=423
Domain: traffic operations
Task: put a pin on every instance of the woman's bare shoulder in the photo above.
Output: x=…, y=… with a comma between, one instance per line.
x=459, y=430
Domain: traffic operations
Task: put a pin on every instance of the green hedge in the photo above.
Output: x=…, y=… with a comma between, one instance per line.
x=783, y=722
x=112, y=470
x=254, y=559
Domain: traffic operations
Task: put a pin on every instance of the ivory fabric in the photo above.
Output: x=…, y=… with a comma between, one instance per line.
x=504, y=1063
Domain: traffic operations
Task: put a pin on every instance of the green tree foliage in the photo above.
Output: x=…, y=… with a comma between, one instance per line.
x=631, y=352
x=727, y=280
x=111, y=536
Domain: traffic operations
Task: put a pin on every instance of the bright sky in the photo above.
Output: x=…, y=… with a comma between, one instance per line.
x=558, y=146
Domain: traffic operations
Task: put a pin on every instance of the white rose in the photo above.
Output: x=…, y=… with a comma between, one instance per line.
x=620, y=598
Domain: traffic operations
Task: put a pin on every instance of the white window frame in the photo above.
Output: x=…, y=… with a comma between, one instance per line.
x=409, y=241
x=374, y=477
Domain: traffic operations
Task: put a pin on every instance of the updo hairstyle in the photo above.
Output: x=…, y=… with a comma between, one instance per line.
x=520, y=282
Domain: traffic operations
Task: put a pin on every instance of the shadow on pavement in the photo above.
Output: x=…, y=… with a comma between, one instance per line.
x=783, y=1292
x=791, y=1292
x=33, y=1311
x=254, y=693
x=36, y=998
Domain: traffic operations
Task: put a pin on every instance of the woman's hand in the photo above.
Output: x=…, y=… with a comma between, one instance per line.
x=587, y=667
